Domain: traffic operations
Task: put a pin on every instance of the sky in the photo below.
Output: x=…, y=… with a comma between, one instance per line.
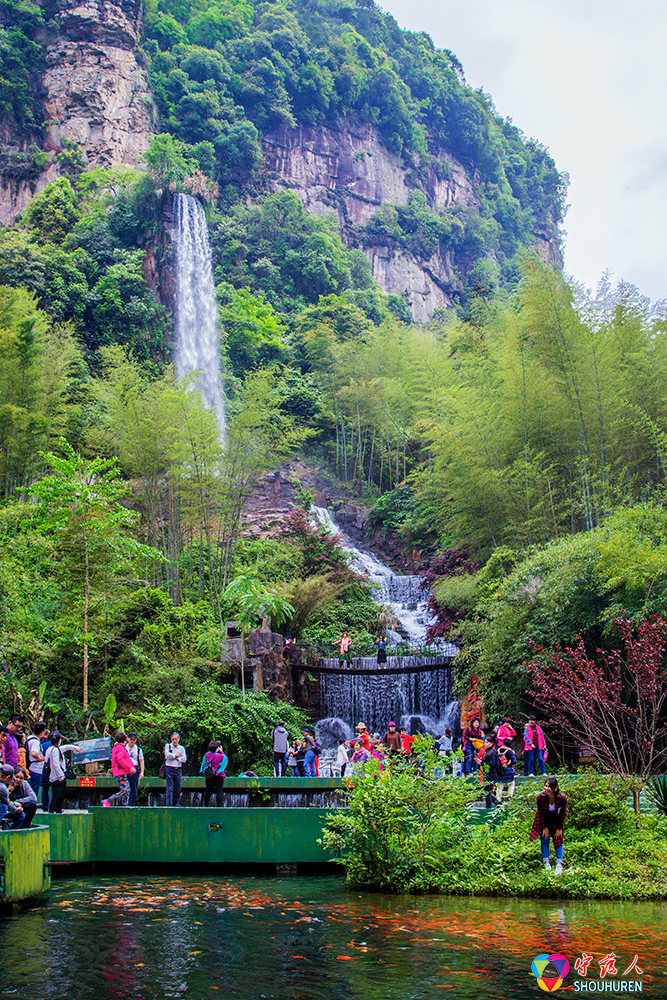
x=587, y=79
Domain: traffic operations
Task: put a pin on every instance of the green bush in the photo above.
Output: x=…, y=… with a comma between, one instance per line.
x=216, y=712
x=411, y=832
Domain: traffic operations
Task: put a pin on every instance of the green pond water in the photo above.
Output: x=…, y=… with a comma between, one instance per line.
x=140, y=938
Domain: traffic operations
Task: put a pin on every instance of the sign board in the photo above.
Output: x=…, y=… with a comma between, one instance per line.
x=87, y=781
x=92, y=750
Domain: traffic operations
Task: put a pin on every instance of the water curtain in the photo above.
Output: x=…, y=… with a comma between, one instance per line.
x=197, y=336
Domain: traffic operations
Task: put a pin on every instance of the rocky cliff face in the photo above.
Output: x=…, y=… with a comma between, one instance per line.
x=95, y=92
x=350, y=172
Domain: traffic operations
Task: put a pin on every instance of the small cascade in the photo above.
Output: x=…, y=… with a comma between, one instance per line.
x=236, y=800
x=197, y=337
x=305, y=800
x=422, y=701
x=401, y=592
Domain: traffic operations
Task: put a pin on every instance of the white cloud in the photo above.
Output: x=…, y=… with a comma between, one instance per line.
x=586, y=78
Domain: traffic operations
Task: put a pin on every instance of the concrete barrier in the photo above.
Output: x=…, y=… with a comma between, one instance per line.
x=24, y=863
x=188, y=836
x=321, y=793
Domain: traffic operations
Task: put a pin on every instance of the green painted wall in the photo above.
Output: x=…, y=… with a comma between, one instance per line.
x=72, y=836
x=24, y=853
x=228, y=836
x=238, y=784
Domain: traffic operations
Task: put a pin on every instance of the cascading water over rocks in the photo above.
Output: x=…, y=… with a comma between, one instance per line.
x=422, y=700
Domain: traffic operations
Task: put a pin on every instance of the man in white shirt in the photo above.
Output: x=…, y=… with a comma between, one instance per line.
x=137, y=755
x=174, y=759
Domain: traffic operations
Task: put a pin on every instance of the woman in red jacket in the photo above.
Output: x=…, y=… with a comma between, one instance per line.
x=121, y=767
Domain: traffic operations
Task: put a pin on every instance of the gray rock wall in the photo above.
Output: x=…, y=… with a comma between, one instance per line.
x=351, y=173
x=96, y=93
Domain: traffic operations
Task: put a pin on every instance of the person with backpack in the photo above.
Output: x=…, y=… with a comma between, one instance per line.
x=507, y=759
x=280, y=738
x=312, y=750
x=23, y=795
x=492, y=770
x=35, y=756
x=122, y=766
x=54, y=770
x=213, y=767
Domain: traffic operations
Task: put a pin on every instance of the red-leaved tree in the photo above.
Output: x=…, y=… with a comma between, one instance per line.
x=615, y=705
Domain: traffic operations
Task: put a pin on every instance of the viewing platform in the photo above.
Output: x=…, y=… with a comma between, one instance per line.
x=394, y=664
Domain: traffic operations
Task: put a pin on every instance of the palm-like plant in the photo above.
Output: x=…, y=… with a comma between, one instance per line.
x=657, y=793
x=250, y=600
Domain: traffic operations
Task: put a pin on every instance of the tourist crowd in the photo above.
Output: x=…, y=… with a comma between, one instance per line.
x=36, y=765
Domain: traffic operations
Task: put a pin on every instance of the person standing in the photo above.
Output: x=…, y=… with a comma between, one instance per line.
x=359, y=756
x=492, y=769
x=505, y=732
x=54, y=767
x=392, y=738
x=361, y=730
x=23, y=795
x=46, y=743
x=11, y=743
x=549, y=823
x=342, y=759
x=280, y=738
x=122, y=767
x=174, y=759
x=344, y=654
x=35, y=756
x=309, y=760
x=213, y=767
x=534, y=745
x=381, y=644
x=406, y=741
x=473, y=741
x=137, y=758
x=293, y=758
x=301, y=748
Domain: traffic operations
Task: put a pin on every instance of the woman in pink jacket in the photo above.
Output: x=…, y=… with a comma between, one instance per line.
x=534, y=747
x=121, y=767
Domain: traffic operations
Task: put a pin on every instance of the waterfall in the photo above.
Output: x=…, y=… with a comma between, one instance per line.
x=402, y=593
x=422, y=702
x=197, y=339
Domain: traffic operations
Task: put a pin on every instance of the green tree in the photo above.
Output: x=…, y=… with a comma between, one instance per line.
x=79, y=504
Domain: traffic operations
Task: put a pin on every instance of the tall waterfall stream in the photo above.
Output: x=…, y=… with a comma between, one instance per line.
x=197, y=337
